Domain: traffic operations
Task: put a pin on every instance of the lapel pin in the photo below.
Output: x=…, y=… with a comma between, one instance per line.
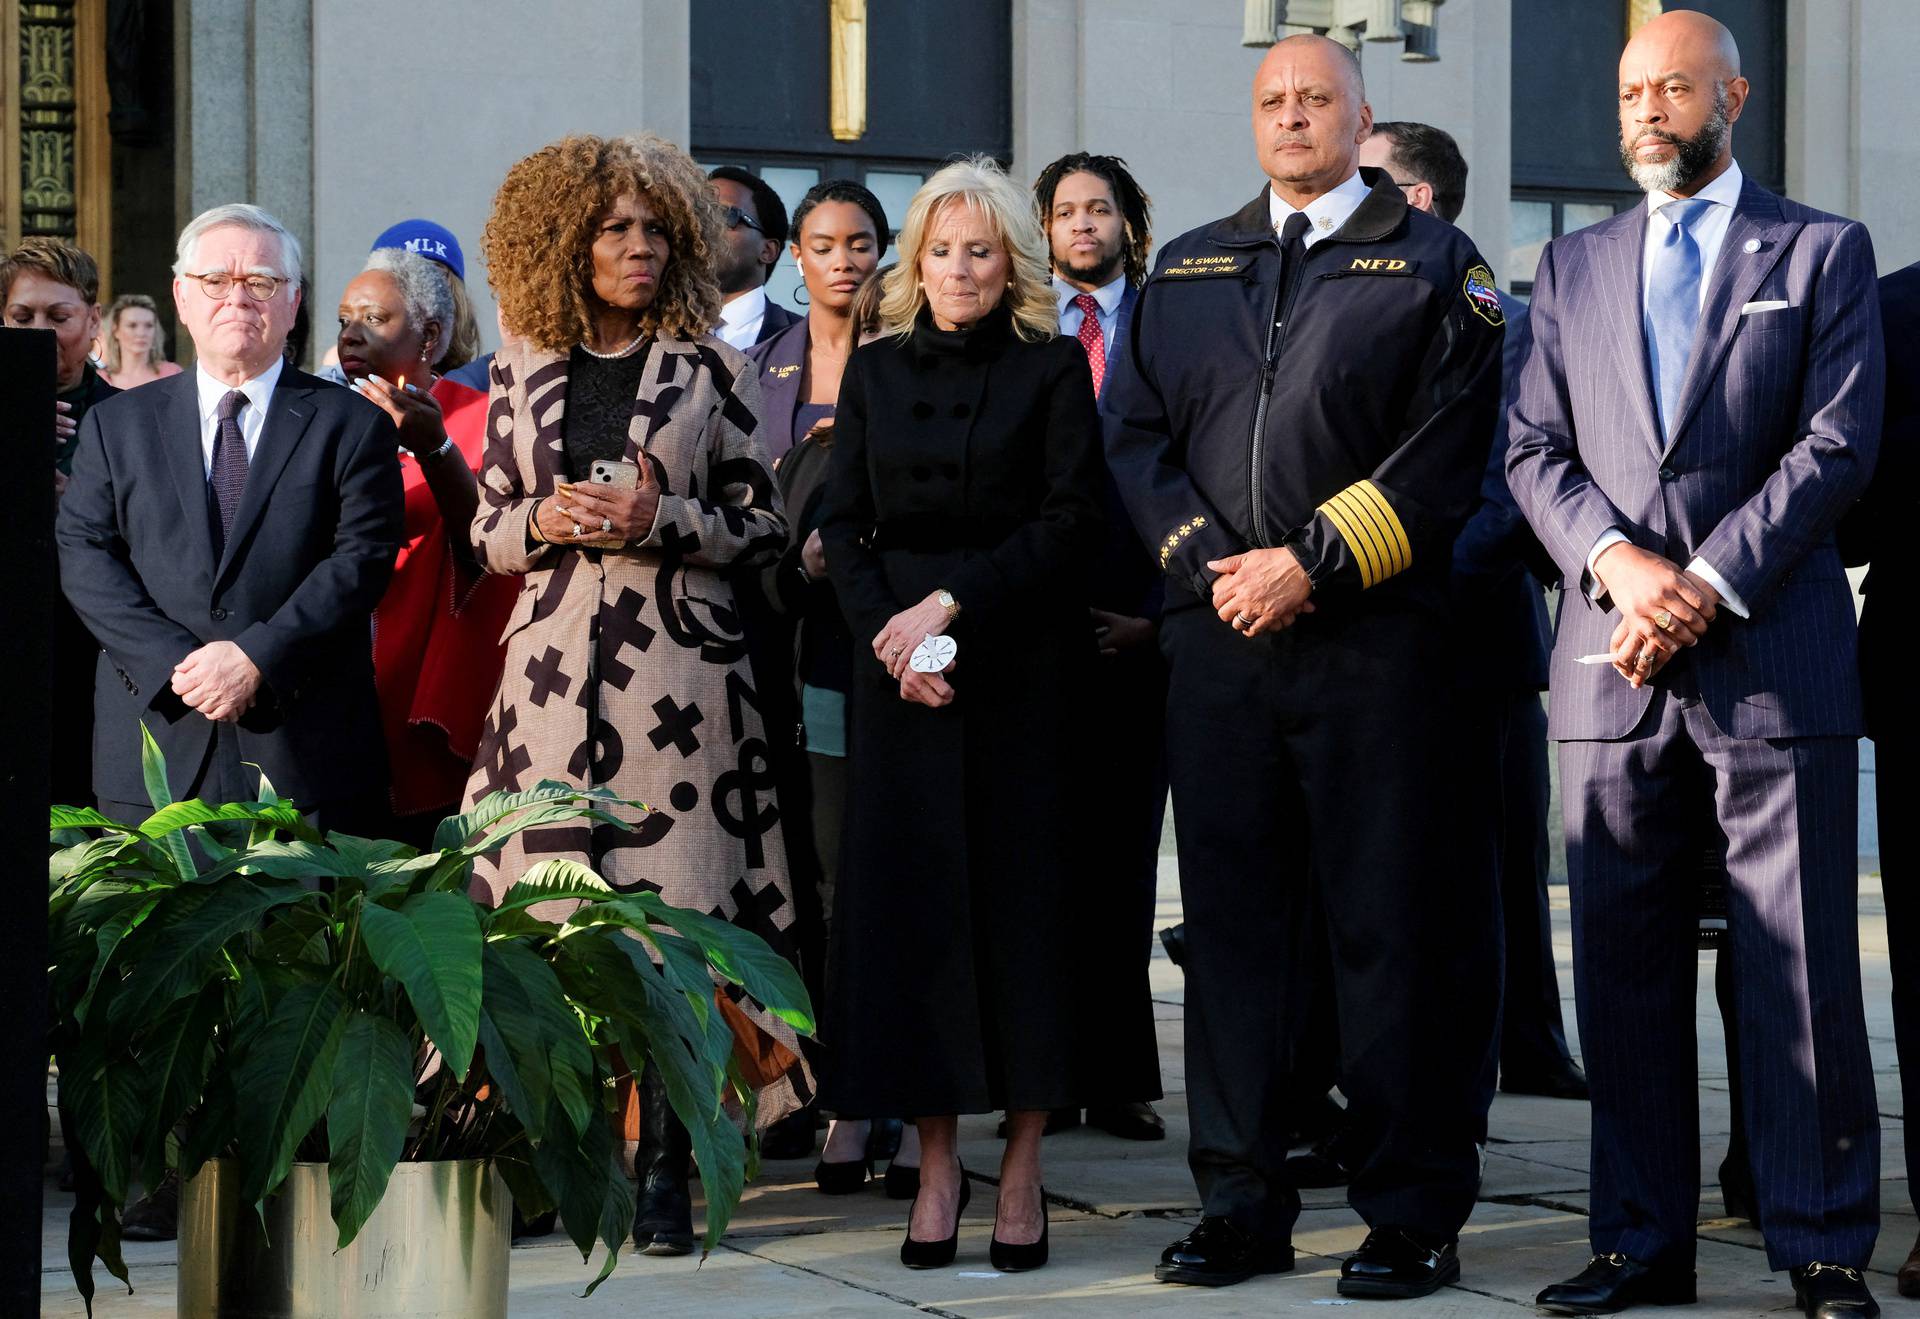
x=1753, y=245
x=1325, y=222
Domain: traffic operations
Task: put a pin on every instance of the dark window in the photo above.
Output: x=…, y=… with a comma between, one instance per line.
x=939, y=84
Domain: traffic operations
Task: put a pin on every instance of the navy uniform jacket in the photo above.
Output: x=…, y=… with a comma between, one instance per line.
x=1498, y=564
x=1355, y=433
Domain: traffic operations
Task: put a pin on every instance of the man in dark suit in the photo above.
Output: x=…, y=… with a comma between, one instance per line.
x=1099, y=229
x=226, y=535
x=1879, y=532
x=1494, y=583
x=756, y=236
x=1702, y=405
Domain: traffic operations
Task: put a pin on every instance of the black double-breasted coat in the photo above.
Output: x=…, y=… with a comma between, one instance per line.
x=965, y=460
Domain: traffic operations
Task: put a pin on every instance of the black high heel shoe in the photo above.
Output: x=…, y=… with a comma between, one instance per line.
x=902, y=1181
x=936, y=1254
x=1008, y=1258
x=842, y=1178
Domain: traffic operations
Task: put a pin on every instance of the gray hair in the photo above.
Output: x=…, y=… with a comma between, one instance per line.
x=246, y=217
x=425, y=291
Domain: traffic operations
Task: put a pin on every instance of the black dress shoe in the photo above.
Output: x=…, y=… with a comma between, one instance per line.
x=155, y=1216
x=1611, y=1283
x=1559, y=1080
x=1319, y=1167
x=842, y=1178
x=1833, y=1291
x=1218, y=1254
x=1174, y=940
x=1128, y=1121
x=540, y=1225
x=791, y=1137
x=902, y=1181
x=1394, y=1264
x=1009, y=1258
x=936, y=1254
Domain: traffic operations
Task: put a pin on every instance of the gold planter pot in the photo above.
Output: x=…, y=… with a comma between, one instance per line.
x=436, y=1245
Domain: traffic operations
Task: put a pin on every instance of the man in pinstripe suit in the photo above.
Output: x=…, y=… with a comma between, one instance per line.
x=1702, y=404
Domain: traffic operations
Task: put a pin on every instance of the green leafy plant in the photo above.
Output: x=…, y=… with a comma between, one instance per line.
x=228, y=982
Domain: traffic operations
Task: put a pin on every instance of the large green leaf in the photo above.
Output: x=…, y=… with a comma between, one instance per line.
x=176, y=1056
x=179, y=941
x=153, y=770
x=82, y=817
x=461, y=830
x=181, y=814
x=586, y=1180
x=208, y=1131
x=367, y=1117
x=556, y=879
x=534, y=1043
x=282, y=1080
x=106, y=941
x=740, y=955
x=432, y=946
x=105, y=1092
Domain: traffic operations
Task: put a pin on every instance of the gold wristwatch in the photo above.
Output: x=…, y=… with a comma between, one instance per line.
x=948, y=603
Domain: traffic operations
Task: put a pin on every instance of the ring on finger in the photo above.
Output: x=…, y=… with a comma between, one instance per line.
x=606, y=525
x=578, y=530
x=1662, y=619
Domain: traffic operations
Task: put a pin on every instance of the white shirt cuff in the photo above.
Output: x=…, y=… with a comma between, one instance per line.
x=1610, y=537
x=1728, y=596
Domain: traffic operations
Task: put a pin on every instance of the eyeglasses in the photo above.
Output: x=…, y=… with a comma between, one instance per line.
x=1398, y=184
x=737, y=217
x=219, y=283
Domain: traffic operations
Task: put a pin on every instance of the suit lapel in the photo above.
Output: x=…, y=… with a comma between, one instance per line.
x=1621, y=306
x=1737, y=274
x=177, y=409
x=288, y=412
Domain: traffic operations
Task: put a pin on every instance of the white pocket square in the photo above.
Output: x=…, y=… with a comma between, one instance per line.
x=1753, y=307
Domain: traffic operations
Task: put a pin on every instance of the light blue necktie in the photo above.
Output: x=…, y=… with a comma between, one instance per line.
x=1673, y=306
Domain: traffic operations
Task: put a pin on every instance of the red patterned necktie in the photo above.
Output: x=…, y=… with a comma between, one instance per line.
x=1091, y=339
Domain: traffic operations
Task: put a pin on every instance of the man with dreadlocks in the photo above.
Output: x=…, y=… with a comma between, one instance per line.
x=1096, y=220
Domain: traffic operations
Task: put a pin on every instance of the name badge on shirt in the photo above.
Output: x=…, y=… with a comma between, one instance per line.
x=1201, y=267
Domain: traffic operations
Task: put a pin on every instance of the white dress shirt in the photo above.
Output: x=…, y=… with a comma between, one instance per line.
x=1106, y=298
x=740, y=319
x=253, y=417
x=1709, y=233
x=1325, y=213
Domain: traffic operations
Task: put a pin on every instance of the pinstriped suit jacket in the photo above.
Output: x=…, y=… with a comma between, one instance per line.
x=1778, y=427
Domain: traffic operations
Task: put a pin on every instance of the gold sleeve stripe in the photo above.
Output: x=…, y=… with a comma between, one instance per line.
x=1372, y=530
x=1366, y=551
x=1390, y=520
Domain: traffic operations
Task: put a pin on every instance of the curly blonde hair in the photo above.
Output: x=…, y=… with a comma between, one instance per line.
x=981, y=185
x=539, y=240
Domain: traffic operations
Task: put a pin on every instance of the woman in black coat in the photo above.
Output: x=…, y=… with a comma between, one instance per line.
x=963, y=503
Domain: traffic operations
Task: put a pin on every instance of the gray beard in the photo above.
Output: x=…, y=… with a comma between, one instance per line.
x=1692, y=156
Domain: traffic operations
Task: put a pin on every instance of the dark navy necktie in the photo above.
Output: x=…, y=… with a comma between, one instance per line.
x=229, y=475
x=1673, y=306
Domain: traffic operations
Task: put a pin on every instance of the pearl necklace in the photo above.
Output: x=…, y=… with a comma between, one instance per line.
x=616, y=353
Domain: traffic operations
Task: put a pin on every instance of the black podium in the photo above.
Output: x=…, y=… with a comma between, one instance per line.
x=26, y=724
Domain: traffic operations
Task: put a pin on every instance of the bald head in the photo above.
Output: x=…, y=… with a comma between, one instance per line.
x=1685, y=37
x=1680, y=94
x=1310, y=115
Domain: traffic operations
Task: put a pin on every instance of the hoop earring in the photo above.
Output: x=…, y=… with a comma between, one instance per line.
x=800, y=296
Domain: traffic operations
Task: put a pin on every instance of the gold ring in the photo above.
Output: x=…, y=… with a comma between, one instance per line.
x=1662, y=619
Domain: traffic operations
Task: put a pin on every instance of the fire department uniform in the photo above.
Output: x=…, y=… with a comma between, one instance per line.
x=1324, y=381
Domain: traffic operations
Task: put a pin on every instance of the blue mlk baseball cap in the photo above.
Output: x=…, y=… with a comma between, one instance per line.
x=428, y=239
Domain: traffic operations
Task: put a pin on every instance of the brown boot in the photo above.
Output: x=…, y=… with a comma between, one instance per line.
x=1908, y=1279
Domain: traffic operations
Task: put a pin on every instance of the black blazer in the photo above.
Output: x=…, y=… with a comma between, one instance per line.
x=776, y=319
x=310, y=554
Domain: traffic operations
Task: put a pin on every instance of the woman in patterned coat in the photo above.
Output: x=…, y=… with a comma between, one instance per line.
x=625, y=664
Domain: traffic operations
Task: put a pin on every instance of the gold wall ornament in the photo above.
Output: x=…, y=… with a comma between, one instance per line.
x=847, y=46
x=55, y=158
x=1642, y=12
